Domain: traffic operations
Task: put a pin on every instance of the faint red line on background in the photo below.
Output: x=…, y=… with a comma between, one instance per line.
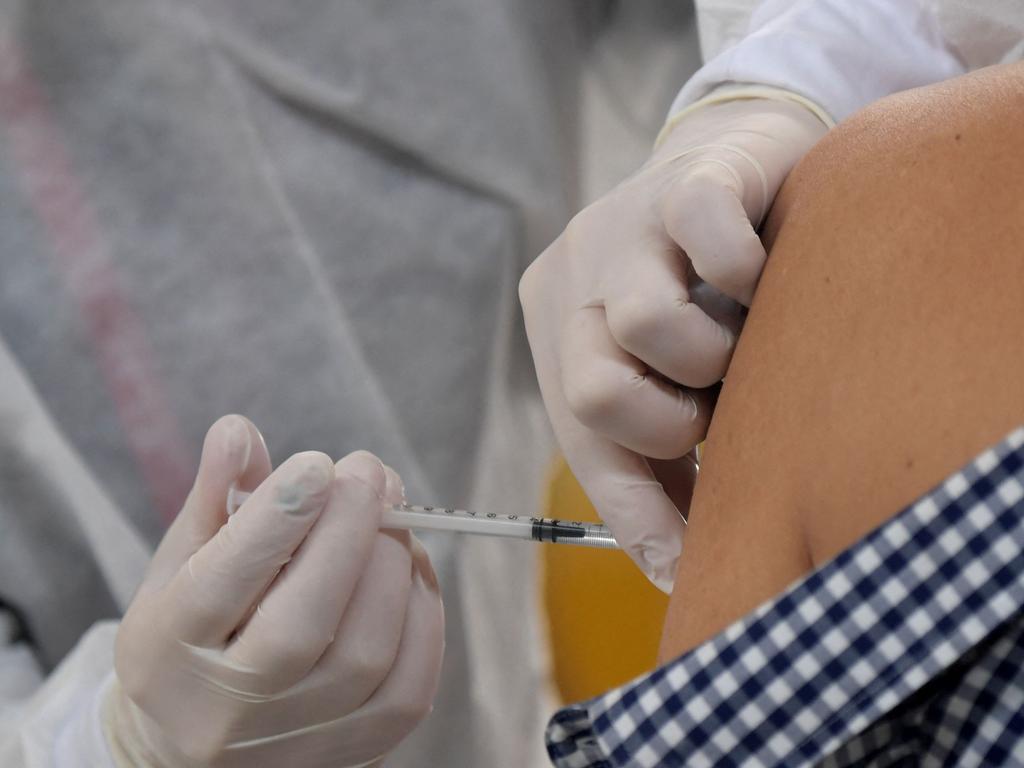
x=116, y=332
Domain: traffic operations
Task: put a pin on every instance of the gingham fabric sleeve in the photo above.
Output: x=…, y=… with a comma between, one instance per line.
x=905, y=647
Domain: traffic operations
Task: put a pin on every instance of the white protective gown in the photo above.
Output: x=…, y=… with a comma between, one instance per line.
x=312, y=213
x=861, y=50
x=315, y=214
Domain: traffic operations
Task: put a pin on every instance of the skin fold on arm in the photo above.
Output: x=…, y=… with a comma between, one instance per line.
x=883, y=350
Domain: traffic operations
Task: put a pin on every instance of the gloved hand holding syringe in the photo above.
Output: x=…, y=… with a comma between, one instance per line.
x=408, y=517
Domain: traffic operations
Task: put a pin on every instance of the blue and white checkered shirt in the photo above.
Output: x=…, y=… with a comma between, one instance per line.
x=905, y=649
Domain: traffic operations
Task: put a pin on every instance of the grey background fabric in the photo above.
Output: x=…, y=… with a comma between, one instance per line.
x=313, y=213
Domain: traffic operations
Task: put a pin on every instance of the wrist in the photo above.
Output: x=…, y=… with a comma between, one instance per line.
x=738, y=92
x=132, y=738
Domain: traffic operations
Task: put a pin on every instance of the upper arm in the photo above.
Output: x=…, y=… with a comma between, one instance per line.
x=882, y=349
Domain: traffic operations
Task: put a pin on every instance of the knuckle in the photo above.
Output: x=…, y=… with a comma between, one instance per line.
x=225, y=542
x=692, y=192
x=534, y=274
x=361, y=488
x=577, y=227
x=706, y=374
x=558, y=258
x=731, y=274
x=711, y=270
x=367, y=664
x=288, y=656
x=410, y=712
x=592, y=394
x=576, y=241
x=634, y=319
x=540, y=273
x=529, y=284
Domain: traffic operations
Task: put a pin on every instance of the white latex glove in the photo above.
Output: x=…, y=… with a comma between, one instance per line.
x=293, y=634
x=634, y=311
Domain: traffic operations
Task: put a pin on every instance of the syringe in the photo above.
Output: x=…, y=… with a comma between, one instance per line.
x=407, y=516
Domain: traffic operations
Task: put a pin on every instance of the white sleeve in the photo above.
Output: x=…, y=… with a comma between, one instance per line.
x=58, y=725
x=838, y=54
x=983, y=33
x=20, y=674
x=722, y=23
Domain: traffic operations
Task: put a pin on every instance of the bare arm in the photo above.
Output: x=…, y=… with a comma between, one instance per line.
x=885, y=346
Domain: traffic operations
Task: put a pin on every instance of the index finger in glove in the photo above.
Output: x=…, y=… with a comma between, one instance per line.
x=704, y=214
x=216, y=589
x=627, y=496
x=632, y=502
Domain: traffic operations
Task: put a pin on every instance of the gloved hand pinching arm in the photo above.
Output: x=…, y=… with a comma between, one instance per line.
x=293, y=633
x=633, y=312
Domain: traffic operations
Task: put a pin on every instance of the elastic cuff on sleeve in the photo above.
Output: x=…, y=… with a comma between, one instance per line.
x=81, y=743
x=740, y=91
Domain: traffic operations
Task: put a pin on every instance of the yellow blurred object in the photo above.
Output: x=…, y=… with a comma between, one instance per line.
x=604, y=615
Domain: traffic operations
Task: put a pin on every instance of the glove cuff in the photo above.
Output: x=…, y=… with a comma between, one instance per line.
x=739, y=92
x=126, y=733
